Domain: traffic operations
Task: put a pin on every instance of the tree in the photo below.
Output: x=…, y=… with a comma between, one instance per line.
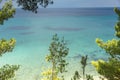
x=77, y=76
x=84, y=63
x=7, y=71
x=58, y=52
x=7, y=11
x=6, y=45
x=32, y=5
x=110, y=69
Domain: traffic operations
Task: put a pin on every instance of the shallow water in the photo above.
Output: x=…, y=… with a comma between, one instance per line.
x=33, y=33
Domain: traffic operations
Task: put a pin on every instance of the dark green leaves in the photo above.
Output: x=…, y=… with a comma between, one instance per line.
x=7, y=11
x=117, y=29
x=58, y=48
x=8, y=71
x=76, y=76
x=117, y=11
x=58, y=52
x=117, y=26
x=84, y=61
x=89, y=77
x=32, y=5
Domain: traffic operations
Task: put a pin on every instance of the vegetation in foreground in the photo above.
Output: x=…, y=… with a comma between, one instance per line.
x=7, y=71
x=110, y=69
x=58, y=51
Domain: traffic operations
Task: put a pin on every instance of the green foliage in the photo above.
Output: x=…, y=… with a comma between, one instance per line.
x=47, y=75
x=76, y=76
x=117, y=11
x=112, y=47
x=6, y=45
x=110, y=69
x=89, y=77
x=117, y=29
x=7, y=11
x=32, y=5
x=117, y=26
x=58, y=52
x=84, y=63
x=8, y=71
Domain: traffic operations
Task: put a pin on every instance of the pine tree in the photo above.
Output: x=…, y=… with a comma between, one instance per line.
x=58, y=52
x=7, y=71
x=7, y=11
x=110, y=69
x=32, y=5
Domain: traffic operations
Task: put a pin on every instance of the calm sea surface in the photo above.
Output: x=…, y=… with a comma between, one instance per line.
x=33, y=32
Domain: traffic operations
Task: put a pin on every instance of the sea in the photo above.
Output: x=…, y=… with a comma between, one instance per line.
x=33, y=33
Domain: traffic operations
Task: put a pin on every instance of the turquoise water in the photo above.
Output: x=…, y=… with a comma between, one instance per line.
x=33, y=33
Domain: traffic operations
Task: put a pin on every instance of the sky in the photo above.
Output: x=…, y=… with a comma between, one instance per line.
x=82, y=3
x=85, y=3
